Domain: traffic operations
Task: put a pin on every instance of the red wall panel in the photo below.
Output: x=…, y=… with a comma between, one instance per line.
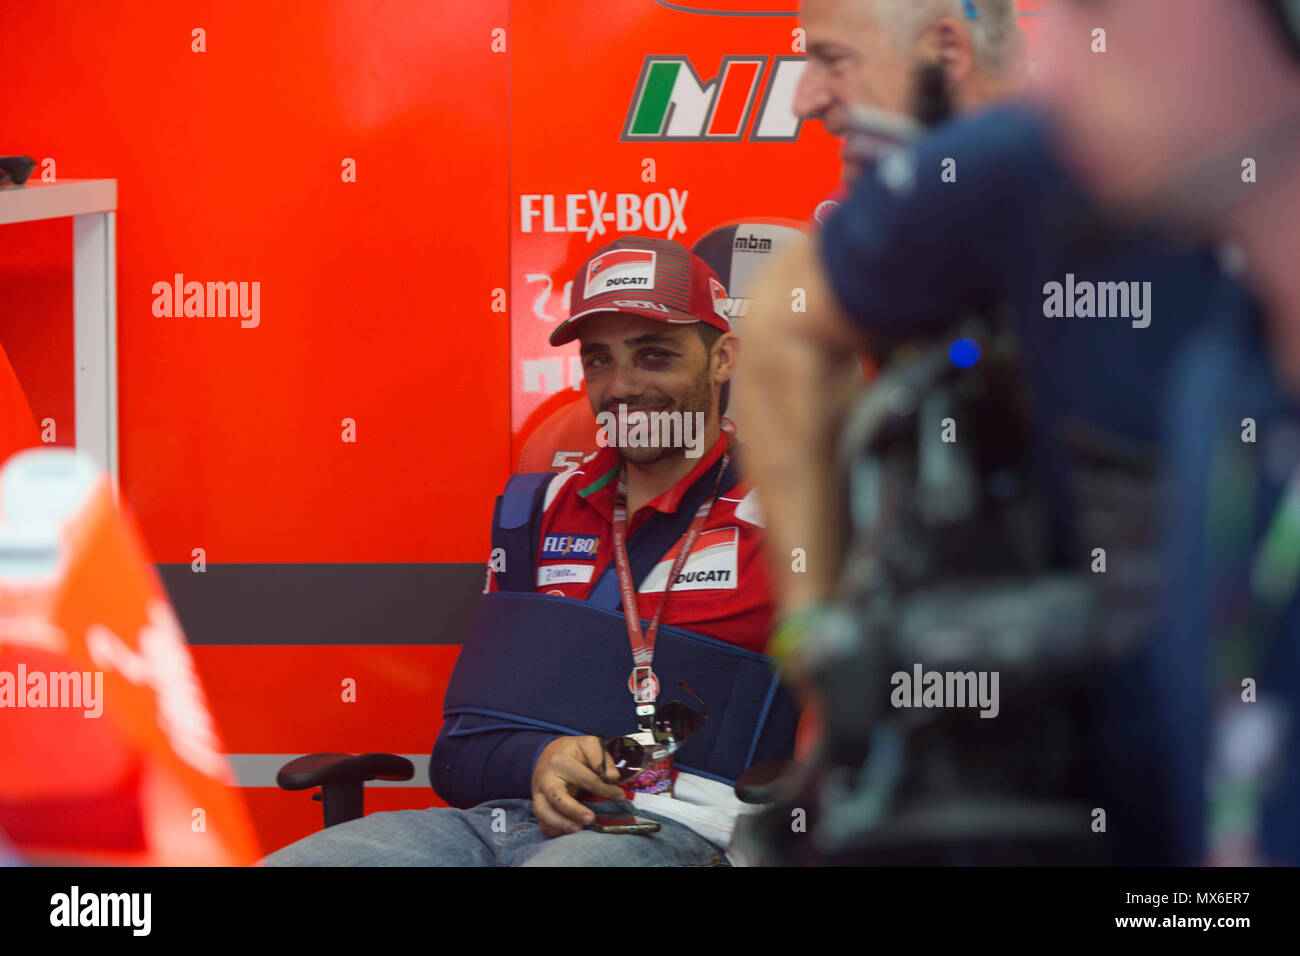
x=375, y=295
x=574, y=78
x=289, y=699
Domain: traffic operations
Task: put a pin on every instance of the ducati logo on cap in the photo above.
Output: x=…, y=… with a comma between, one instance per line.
x=719, y=295
x=620, y=270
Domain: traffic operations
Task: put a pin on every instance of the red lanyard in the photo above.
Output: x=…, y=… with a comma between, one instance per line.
x=642, y=681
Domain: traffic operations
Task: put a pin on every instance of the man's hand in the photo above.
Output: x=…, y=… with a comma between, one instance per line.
x=565, y=767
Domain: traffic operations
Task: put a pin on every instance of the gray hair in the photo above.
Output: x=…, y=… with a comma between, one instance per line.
x=995, y=34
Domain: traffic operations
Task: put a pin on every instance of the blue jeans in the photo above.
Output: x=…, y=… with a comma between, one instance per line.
x=510, y=836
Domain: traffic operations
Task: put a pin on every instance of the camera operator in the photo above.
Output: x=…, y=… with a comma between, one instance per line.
x=979, y=211
x=863, y=55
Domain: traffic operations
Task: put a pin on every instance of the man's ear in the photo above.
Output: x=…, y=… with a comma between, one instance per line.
x=726, y=351
x=949, y=43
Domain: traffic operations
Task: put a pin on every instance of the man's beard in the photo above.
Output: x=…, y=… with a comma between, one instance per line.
x=698, y=399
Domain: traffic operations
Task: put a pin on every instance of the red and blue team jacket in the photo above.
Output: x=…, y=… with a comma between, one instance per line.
x=723, y=591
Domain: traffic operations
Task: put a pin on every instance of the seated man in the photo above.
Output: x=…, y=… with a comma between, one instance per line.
x=666, y=510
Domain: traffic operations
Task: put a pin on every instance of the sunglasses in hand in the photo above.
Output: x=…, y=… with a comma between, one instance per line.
x=674, y=723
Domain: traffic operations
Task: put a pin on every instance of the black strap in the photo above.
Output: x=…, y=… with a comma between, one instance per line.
x=516, y=526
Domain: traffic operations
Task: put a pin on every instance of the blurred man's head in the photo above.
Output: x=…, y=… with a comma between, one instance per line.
x=868, y=53
x=1178, y=80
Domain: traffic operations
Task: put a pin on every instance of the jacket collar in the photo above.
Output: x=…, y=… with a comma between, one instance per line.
x=600, y=491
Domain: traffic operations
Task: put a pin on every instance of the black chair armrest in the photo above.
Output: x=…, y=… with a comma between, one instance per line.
x=317, y=770
x=342, y=778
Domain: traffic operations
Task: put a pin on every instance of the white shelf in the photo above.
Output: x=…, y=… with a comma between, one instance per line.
x=73, y=197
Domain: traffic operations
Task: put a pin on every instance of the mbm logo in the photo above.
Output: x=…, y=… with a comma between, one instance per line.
x=751, y=244
x=672, y=104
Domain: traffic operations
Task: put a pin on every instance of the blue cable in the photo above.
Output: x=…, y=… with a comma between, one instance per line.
x=969, y=7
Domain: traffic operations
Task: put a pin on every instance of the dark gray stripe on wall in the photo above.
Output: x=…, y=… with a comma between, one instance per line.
x=324, y=603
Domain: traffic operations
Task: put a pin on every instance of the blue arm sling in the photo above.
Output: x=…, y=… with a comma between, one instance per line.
x=538, y=666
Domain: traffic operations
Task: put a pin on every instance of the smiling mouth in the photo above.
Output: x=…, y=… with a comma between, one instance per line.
x=647, y=409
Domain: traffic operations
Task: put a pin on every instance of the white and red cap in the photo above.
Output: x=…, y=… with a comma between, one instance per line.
x=656, y=278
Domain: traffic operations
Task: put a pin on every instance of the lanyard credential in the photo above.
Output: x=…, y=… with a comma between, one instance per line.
x=642, y=682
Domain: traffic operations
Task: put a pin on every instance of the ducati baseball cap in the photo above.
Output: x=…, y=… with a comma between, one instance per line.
x=656, y=278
